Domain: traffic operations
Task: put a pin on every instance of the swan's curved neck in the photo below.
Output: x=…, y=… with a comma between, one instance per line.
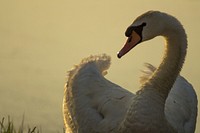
x=175, y=51
x=161, y=83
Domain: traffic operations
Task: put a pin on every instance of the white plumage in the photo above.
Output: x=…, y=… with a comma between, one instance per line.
x=165, y=103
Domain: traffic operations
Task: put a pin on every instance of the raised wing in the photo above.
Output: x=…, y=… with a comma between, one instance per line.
x=181, y=104
x=91, y=103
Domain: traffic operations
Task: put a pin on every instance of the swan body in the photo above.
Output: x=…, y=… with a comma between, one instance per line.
x=165, y=102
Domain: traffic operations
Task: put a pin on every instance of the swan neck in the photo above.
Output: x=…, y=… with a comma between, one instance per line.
x=155, y=91
x=175, y=51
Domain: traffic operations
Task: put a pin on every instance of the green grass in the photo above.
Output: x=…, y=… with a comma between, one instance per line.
x=7, y=126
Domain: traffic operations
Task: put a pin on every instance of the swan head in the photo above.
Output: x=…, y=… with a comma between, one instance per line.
x=145, y=27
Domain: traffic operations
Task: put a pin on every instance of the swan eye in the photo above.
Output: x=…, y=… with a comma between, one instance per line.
x=138, y=29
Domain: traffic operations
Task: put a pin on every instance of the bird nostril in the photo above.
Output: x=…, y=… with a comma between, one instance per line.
x=129, y=39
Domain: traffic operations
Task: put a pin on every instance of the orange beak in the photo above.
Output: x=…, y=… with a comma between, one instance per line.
x=131, y=42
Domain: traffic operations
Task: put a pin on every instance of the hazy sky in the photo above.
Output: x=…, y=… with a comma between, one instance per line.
x=41, y=39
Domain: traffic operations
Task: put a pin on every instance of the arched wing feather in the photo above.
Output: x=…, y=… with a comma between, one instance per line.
x=92, y=103
x=181, y=104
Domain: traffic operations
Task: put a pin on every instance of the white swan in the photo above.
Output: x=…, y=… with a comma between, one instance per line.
x=165, y=103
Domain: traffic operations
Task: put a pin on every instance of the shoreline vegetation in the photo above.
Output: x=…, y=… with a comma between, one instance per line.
x=7, y=126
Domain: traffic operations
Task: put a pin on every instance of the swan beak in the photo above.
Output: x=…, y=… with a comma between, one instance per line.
x=131, y=42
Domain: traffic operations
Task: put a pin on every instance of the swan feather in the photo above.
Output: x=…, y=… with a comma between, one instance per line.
x=91, y=102
x=98, y=105
x=181, y=103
